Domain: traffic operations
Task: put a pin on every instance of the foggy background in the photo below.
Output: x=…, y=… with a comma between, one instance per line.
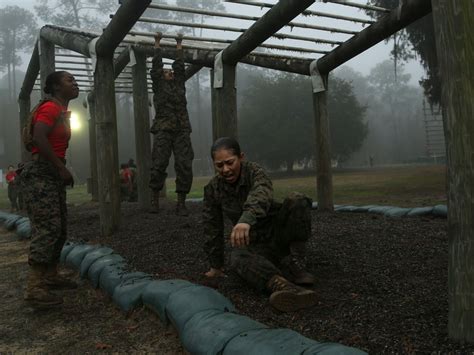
x=376, y=116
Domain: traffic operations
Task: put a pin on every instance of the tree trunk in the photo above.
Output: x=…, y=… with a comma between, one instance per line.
x=10, y=95
x=455, y=48
x=13, y=64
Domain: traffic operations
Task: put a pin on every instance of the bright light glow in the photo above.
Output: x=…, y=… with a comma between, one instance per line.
x=75, y=122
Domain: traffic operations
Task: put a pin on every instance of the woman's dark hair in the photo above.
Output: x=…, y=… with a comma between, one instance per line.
x=51, y=80
x=227, y=143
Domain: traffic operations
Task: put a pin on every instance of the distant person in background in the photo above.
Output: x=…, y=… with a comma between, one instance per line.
x=12, y=180
x=133, y=169
x=171, y=127
x=44, y=182
x=126, y=185
x=264, y=231
x=371, y=161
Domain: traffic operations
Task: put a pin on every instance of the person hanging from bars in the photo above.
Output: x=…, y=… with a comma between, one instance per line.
x=171, y=127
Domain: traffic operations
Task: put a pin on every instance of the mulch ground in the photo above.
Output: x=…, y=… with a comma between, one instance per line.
x=382, y=282
x=86, y=323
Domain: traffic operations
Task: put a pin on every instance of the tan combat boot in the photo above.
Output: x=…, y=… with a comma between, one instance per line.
x=181, y=209
x=287, y=297
x=297, y=264
x=37, y=293
x=55, y=281
x=155, y=201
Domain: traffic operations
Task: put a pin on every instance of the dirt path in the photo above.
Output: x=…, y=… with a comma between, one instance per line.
x=86, y=322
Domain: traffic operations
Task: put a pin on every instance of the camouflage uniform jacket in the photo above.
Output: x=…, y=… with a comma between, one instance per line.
x=249, y=200
x=169, y=95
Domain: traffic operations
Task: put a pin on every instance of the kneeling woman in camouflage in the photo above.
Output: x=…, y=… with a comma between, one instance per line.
x=264, y=231
x=44, y=180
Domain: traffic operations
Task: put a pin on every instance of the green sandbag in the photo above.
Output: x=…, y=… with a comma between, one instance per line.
x=112, y=276
x=332, y=349
x=420, y=211
x=268, y=342
x=99, y=264
x=185, y=303
x=4, y=216
x=76, y=255
x=67, y=248
x=10, y=222
x=91, y=257
x=397, y=212
x=128, y=295
x=23, y=231
x=440, y=210
x=209, y=331
x=195, y=199
x=344, y=208
x=21, y=221
x=157, y=293
x=361, y=209
x=379, y=209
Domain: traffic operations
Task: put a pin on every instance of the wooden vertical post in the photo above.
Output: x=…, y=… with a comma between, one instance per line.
x=93, y=146
x=46, y=59
x=323, y=153
x=142, y=130
x=107, y=145
x=455, y=49
x=213, y=109
x=225, y=101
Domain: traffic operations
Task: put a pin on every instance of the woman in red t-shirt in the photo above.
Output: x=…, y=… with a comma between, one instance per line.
x=44, y=182
x=12, y=188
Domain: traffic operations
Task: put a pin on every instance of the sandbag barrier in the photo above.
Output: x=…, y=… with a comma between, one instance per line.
x=388, y=211
x=207, y=322
x=392, y=211
x=20, y=224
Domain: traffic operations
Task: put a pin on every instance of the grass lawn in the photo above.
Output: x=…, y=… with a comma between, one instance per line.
x=405, y=186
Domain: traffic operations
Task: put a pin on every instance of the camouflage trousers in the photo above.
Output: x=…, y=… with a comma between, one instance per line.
x=45, y=197
x=178, y=143
x=260, y=261
x=13, y=196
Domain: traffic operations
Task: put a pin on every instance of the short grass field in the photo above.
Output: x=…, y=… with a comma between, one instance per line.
x=404, y=186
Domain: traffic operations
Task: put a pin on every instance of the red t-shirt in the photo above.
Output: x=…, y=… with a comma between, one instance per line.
x=126, y=176
x=10, y=177
x=59, y=137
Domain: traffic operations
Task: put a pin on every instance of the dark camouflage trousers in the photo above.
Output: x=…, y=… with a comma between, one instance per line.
x=258, y=262
x=178, y=143
x=45, y=197
x=13, y=195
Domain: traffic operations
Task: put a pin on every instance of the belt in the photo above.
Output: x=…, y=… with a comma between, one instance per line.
x=39, y=157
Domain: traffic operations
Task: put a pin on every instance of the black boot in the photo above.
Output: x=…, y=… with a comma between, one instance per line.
x=155, y=201
x=287, y=297
x=181, y=209
x=297, y=264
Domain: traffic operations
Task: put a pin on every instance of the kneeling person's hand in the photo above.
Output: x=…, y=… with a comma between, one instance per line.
x=214, y=273
x=240, y=235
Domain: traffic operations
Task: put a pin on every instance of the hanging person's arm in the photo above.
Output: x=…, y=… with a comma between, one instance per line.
x=178, y=65
x=156, y=72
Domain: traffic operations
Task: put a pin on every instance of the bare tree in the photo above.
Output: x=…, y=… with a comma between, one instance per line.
x=17, y=32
